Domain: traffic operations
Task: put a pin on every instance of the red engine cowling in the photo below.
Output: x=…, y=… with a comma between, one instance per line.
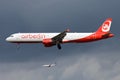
x=47, y=42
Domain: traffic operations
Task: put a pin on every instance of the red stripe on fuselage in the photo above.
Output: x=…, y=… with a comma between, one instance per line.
x=90, y=38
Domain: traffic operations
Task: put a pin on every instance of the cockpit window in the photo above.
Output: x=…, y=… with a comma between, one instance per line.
x=11, y=36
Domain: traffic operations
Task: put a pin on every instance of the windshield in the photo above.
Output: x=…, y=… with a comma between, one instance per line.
x=12, y=35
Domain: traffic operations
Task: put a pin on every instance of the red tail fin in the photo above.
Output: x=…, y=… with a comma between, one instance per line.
x=105, y=27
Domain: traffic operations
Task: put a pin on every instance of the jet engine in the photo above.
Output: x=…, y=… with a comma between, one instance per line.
x=47, y=42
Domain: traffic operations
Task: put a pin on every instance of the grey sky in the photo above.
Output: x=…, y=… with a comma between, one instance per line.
x=89, y=61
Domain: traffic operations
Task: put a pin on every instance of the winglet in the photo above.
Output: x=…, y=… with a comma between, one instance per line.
x=67, y=30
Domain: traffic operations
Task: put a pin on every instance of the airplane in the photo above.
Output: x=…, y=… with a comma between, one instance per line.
x=49, y=65
x=51, y=39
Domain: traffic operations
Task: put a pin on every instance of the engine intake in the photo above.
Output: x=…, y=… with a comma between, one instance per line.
x=47, y=42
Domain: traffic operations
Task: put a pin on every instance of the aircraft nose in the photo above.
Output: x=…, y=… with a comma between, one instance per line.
x=7, y=39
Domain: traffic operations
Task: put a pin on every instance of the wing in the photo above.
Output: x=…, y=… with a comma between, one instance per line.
x=58, y=38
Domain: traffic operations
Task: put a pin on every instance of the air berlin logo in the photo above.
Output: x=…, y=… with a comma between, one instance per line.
x=33, y=36
x=106, y=26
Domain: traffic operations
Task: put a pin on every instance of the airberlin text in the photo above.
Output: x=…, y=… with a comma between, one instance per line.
x=33, y=36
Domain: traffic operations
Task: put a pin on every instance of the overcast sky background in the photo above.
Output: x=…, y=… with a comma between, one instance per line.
x=90, y=61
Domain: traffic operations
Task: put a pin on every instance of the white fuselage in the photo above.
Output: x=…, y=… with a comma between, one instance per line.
x=38, y=37
x=51, y=39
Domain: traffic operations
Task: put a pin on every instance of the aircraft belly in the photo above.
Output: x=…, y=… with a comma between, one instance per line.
x=27, y=41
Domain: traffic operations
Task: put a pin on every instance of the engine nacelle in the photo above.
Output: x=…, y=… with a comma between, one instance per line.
x=47, y=42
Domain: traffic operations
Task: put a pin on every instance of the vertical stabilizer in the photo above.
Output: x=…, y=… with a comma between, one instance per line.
x=105, y=27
